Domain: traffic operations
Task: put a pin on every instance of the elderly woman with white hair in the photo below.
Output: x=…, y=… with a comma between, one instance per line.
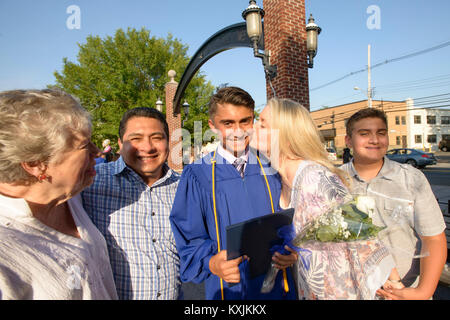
x=49, y=248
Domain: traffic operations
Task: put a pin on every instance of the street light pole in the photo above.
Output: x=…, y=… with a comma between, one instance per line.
x=369, y=80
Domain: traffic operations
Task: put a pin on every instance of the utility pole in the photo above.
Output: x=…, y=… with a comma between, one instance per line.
x=369, y=88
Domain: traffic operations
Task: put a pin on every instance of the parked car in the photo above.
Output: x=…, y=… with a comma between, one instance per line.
x=331, y=154
x=416, y=158
x=444, y=145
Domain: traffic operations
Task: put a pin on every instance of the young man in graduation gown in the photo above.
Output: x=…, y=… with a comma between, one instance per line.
x=223, y=188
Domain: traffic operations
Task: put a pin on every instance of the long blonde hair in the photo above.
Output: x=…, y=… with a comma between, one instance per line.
x=298, y=135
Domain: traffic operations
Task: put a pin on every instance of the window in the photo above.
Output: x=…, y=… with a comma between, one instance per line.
x=397, y=140
x=404, y=151
x=431, y=138
x=418, y=138
x=404, y=141
x=431, y=119
x=417, y=119
x=445, y=119
x=397, y=120
x=403, y=120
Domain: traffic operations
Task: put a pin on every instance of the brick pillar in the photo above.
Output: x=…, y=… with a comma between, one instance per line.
x=285, y=38
x=174, y=122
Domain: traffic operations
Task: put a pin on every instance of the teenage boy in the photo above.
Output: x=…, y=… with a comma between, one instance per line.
x=405, y=204
x=226, y=187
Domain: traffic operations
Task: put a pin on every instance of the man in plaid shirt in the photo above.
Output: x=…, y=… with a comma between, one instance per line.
x=130, y=202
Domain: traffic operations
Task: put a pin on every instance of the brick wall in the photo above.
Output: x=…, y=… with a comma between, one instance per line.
x=285, y=38
x=174, y=122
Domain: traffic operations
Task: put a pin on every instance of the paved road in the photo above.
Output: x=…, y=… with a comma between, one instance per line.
x=442, y=156
x=437, y=175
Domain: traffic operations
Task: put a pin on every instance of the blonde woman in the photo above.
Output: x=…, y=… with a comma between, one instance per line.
x=313, y=185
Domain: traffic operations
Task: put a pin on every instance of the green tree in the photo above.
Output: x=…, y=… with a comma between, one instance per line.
x=129, y=70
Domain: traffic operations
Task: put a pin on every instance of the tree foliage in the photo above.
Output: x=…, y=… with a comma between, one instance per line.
x=129, y=70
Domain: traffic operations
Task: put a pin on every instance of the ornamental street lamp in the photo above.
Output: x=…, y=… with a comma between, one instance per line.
x=312, y=32
x=253, y=17
x=237, y=36
x=159, y=105
x=186, y=111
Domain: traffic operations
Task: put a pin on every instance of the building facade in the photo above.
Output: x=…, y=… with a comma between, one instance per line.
x=427, y=127
x=410, y=126
x=331, y=122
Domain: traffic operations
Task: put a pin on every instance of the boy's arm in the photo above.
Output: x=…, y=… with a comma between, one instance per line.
x=193, y=242
x=435, y=250
x=431, y=265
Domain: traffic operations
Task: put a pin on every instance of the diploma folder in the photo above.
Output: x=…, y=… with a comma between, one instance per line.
x=255, y=237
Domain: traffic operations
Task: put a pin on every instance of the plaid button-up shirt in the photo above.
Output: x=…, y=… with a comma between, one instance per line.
x=134, y=219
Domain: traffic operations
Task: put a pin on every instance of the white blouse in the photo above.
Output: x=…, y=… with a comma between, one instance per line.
x=41, y=263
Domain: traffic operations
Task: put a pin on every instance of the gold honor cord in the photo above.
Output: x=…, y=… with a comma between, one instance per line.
x=213, y=162
x=286, y=285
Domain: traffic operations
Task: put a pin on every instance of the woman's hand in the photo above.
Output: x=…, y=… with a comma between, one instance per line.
x=285, y=261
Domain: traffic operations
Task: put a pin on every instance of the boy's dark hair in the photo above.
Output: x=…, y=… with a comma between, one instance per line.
x=363, y=114
x=142, y=112
x=232, y=95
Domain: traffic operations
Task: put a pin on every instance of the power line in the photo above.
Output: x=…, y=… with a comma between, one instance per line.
x=390, y=106
x=398, y=87
x=405, y=83
x=440, y=46
x=349, y=113
x=399, y=110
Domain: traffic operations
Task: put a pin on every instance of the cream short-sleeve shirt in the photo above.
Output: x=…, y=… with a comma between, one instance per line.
x=406, y=205
x=38, y=262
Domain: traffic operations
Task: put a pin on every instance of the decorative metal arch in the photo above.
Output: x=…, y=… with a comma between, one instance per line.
x=231, y=37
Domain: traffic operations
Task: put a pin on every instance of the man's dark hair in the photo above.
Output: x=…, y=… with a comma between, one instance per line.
x=232, y=95
x=144, y=112
x=363, y=114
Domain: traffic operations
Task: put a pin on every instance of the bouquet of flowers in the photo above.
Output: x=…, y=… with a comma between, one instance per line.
x=351, y=221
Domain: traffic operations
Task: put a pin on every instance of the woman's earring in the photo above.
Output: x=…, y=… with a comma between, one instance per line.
x=42, y=177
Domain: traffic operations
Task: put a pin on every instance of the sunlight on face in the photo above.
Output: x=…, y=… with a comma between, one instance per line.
x=262, y=139
x=234, y=124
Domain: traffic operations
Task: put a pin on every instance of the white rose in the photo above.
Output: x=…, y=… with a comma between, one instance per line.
x=365, y=204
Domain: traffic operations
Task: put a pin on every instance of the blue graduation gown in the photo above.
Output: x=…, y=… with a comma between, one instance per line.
x=237, y=199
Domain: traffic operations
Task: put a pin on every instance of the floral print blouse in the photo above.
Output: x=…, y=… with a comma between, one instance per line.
x=337, y=270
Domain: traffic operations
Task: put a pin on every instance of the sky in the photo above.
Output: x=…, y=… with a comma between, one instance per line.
x=35, y=37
